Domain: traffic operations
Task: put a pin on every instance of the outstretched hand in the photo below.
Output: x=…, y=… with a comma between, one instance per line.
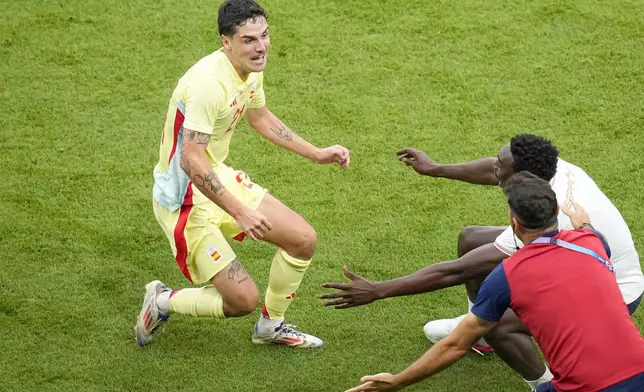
x=384, y=382
x=419, y=161
x=357, y=293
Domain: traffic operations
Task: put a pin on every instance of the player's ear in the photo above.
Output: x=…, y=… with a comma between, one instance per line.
x=515, y=224
x=225, y=41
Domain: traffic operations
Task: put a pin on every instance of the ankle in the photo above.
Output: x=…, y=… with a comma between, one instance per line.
x=266, y=325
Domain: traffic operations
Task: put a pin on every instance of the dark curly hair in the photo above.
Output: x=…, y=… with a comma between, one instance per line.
x=235, y=13
x=532, y=200
x=534, y=154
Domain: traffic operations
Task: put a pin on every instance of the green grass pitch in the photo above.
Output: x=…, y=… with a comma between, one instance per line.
x=84, y=87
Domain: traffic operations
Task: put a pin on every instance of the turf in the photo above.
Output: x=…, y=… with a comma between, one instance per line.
x=85, y=86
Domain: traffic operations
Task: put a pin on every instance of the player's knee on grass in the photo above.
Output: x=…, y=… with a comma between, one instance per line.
x=241, y=302
x=468, y=239
x=497, y=334
x=500, y=340
x=237, y=289
x=473, y=286
x=508, y=324
x=303, y=243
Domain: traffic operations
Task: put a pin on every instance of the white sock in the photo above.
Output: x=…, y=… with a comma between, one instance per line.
x=163, y=300
x=266, y=325
x=547, y=376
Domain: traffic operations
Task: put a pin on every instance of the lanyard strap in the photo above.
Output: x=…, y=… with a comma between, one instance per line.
x=576, y=248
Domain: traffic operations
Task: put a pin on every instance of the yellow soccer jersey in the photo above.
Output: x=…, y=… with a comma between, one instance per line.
x=210, y=98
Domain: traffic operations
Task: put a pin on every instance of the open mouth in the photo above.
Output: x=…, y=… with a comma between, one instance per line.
x=258, y=59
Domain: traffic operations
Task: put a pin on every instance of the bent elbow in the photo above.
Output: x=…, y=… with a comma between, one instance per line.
x=254, y=122
x=184, y=162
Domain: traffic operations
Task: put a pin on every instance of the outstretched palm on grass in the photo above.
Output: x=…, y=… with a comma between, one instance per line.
x=357, y=293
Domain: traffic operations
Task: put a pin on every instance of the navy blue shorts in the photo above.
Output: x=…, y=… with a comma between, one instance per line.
x=632, y=307
x=633, y=384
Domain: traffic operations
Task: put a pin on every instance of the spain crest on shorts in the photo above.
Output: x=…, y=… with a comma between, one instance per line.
x=214, y=253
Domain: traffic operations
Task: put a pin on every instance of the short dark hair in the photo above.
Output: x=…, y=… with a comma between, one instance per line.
x=532, y=200
x=235, y=13
x=534, y=154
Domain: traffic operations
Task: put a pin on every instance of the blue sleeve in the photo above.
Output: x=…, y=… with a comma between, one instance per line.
x=493, y=298
x=603, y=239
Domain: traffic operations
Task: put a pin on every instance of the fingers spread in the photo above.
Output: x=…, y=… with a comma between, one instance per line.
x=340, y=301
x=339, y=294
x=339, y=286
x=350, y=274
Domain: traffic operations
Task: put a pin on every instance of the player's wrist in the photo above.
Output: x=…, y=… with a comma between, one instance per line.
x=315, y=154
x=399, y=381
x=379, y=290
x=238, y=211
x=436, y=170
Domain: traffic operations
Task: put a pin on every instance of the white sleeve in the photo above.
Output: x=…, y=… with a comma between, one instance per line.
x=507, y=243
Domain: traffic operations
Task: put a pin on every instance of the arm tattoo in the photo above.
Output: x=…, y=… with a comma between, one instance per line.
x=283, y=132
x=189, y=135
x=210, y=182
x=237, y=272
x=184, y=163
x=202, y=138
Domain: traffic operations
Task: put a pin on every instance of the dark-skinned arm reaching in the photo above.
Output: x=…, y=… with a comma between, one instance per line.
x=479, y=262
x=479, y=171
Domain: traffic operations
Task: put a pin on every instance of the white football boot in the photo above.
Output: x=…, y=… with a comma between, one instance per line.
x=150, y=318
x=440, y=329
x=286, y=334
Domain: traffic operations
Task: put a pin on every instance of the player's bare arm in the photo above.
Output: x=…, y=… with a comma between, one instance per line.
x=479, y=262
x=441, y=356
x=197, y=167
x=479, y=171
x=272, y=128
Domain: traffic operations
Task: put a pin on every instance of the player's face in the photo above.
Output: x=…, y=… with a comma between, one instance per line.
x=503, y=167
x=248, y=47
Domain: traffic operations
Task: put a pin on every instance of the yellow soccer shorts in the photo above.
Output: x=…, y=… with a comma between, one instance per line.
x=197, y=233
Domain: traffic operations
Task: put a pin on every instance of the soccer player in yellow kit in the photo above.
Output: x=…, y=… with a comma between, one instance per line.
x=199, y=201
